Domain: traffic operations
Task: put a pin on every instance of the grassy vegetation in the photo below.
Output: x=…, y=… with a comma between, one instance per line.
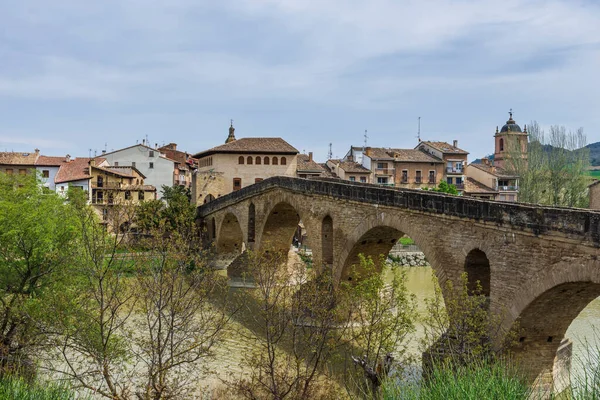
x=594, y=173
x=13, y=388
x=475, y=381
x=405, y=241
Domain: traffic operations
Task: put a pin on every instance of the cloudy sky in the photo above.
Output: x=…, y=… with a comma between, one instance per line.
x=78, y=75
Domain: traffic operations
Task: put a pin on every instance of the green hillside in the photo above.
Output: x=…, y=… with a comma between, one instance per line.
x=594, y=153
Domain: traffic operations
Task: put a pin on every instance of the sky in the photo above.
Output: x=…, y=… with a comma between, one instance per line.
x=78, y=76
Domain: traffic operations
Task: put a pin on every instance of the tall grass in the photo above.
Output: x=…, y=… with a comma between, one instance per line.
x=498, y=381
x=14, y=388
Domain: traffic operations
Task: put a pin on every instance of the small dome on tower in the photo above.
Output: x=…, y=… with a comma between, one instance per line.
x=511, y=125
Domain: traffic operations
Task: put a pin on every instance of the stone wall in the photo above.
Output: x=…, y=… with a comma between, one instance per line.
x=594, y=193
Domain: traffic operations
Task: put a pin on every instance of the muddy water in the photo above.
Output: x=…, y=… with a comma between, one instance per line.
x=584, y=331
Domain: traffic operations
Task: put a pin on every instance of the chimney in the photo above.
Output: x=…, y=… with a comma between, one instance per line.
x=68, y=158
x=103, y=151
x=93, y=162
x=172, y=146
x=368, y=151
x=156, y=145
x=37, y=151
x=455, y=143
x=310, y=156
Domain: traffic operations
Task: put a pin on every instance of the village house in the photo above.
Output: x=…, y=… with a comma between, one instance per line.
x=75, y=173
x=308, y=168
x=185, y=165
x=157, y=169
x=239, y=163
x=12, y=162
x=349, y=170
x=496, y=178
x=454, y=159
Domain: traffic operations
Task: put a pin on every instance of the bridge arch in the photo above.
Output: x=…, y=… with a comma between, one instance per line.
x=230, y=237
x=278, y=230
x=377, y=234
x=544, y=308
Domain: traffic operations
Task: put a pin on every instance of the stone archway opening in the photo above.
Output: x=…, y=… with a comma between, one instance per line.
x=477, y=267
x=279, y=229
x=542, y=348
x=231, y=238
x=209, y=197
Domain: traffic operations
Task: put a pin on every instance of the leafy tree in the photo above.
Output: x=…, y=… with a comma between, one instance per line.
x=37, y=248
x=383, y=317
x=444, y=187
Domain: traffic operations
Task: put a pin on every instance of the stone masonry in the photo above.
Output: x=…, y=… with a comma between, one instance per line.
x=539, y=265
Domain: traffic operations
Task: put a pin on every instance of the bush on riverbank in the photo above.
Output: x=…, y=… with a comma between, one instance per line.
x=14, y=388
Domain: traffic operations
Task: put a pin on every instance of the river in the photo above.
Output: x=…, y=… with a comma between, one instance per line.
x=419, y=282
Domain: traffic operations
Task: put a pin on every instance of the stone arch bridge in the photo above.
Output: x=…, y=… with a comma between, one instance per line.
x=537, y=264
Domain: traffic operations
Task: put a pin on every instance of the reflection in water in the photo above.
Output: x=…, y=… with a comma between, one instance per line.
x=419, y=282
x=584, y=331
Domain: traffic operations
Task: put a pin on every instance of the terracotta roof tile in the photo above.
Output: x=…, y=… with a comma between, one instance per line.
x=75, y=170
x=327, y=172
x=50, y=161
x=496, y=171
x=414, y=155
x=473, y=186
x=305, y=164
x=252, y=145
x=18, y=158
x=444, y=147
x=351, y=166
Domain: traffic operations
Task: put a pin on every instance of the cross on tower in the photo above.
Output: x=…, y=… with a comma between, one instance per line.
x=510, y=113
x=231, y=122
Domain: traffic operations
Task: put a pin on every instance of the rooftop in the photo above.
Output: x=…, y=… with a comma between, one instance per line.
x=75, y=170
x=18, y=158
x=473, y=186
x=444, y=147
x=496, y=171
x=306, y=163
x=351, y=166
x=257, y=145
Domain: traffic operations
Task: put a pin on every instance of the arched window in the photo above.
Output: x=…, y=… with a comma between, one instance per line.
x=283, y=161
x=249, y=160
x=501, y=144
x=257, y=160
x=267, y=160
x=241, y=160
x=275, y=161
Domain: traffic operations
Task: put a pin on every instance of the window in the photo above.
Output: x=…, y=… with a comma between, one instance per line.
x=99, y=196
x=100, y=182
x=381, y=165
x=241, y=160
x=404, y=176
x=256, y=180
x=352, y=179
x=418, y=177
x=431, y=176
x=151, y=166
x=151, y=153
x=22, y=171
x=363, y=179
x=275, y=161
x=116, y=163
x=127, y=195
x=141, y=195
x=449, y=180
x=104, y=214
x=283, y=161
x=45, y=174
x=9, y=171
x=62, y=188
x=133, y=164
x=237, y=184
x=382, y=179
x=257, y=160
x=502, y=183
x=249, y=160
x=267, y=160
x=501, y=145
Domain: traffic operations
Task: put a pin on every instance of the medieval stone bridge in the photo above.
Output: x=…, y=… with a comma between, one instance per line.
x=537, y=264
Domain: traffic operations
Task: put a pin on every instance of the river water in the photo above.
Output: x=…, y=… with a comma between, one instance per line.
x=419, y=282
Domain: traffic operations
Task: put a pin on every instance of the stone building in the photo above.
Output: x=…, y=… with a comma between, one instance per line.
x=350, y=171
x=454, y=158
x=12, y=162
x=307, y=167
x=479, y=190
x=510, y=143
x=239, y=163
x=505, y=183
x=185, y=164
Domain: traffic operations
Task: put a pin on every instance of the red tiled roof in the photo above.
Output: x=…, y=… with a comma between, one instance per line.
x=413, y=155
x=351, y=166
x=18, y=158
x=75, y=170
x=50, y=161
x=473, y=186
x=305, y=164
x=252, y=145
x=496, y=171
x=444, y=147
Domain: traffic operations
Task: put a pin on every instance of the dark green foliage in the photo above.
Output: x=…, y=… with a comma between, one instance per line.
x=21, y=390
x=444, y=187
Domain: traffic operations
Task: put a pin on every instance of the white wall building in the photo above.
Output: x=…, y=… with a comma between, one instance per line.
x=155, y=166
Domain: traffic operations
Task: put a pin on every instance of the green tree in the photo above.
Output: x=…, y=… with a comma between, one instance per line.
x=37, y=249
x=444, y=187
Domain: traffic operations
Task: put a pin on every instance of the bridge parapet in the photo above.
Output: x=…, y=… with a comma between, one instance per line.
x=574, y=223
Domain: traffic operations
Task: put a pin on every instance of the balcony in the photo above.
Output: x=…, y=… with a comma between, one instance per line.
x=455, y=171
x=459, y=186
x=507, y=188
x=386, y=184
x=107, y=185
x=384, y=171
